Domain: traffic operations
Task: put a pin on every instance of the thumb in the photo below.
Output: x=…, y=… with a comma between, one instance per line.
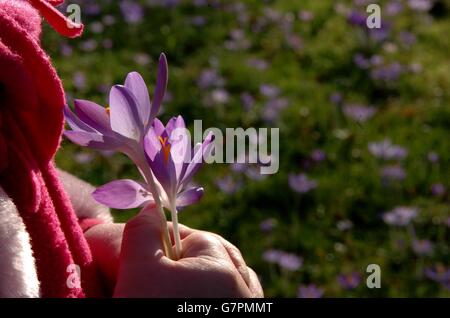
x=142, y=237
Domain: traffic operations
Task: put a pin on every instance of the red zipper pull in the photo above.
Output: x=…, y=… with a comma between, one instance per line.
x=56, y=19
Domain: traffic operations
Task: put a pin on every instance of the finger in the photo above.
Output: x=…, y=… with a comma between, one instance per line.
x=237, y=259
x=203, y=244
x=142, y=237
x=254, y=284
x=232, y=251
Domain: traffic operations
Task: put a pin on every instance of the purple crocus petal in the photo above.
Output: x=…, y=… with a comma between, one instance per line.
x=170, y=126
x=124, y=113
x=158, y=127
x=92, y=114
x=152, y=145
x=161, y=85
x=135, y=83
x=74, y=122
x=175, y=123
x=197, y=159
x=164, y=172
x=189, y=197
x=180, y=146
x=92, y=140
x=122, y=194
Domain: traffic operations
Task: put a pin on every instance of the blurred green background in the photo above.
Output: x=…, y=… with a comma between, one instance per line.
x=364, y=119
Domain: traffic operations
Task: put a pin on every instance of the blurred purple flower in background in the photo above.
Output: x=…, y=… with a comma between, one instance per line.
x=318, y=155
x=268, y=225
x=433, y=157
x=305, y=15
x=422, y=247
x=198, y=20
x=380, y=34
x=96, y=27
x=79, y=80
x=258, y=64
x=301, y=183
x=400, y=216
x=349, y=281
x=269, y=91
x=439, y=274
x=407, y=38
x=210, y=78
x=386, y=150
x=228, y=185
x=389, y=72
x=247, y=101
x=83, y=157
x=336, y=98
x=344, y=225
x=285, y=260
x=89, y=45
x=108, y=19
x=359, y=113
x=420, y=5
x=437, y=189
x=357, y=18
x=66, y=49
x=141, y=59
x=310, y=291
x=361, y=61
x=393, y=7
x=273, y=107
x=132, y=11
x=393, y=172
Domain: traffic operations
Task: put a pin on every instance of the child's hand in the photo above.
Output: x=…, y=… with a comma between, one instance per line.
x=210, y=266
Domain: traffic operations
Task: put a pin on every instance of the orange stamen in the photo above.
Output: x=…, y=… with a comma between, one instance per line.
x=166, y=148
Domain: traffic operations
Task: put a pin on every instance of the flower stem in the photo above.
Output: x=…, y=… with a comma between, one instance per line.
x=148, y=176
x=176, y=231
x=166, y=237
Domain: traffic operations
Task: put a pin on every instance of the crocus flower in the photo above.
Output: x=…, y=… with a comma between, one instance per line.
x=400, y=216
x=301, y=183
x=122, y=126
x=228, y=185
x=359, y=113
x=420, y=5
x=170, y=157
x=386, y=150
x=433, y=157
x=268, y=225
x=349, y=281
x=440, y=274
x=422, y=247
x=132, y=11
x=392, y=173
x=288, y=261
x=437, y=189
x=171, y=165
x=310, y=291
